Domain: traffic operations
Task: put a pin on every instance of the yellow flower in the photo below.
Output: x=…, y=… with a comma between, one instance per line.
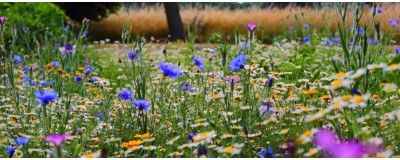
x=142, y=136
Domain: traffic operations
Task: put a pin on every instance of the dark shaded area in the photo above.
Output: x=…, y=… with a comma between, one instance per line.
x=95, y=11
x=175, y=25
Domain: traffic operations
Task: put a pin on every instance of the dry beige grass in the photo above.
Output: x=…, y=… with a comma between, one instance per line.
x=151, y=21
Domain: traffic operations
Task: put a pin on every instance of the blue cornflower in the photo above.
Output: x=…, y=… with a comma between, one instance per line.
x=306, y=26
x=141, y=104
x=10, y=150
x=201, y=151
x=55, y=63
x=397, y=51
x=267, y=109
x=355, y=91
x=379, y=10
x=51, y=83
x=270, y=82
x=125, y=94
x=170, y=70
x=43, y=83
x=17, y=59
x=24, y=69
x=267, y=153
x=198, y=62
x=22, y=29
x=21, y=141
x=360, y=30
x=237, y=63
x=187, y=87
x=89, y=67
x=306, y=39
x=133, y=55
x=245, y=46
x=65, y=29
x=328, y=43
x=94, y=79
x=336, y=39
x=68, y=49
x=190, y=136
x=85, y=33
x=212, y=51
x=372, y=41
x=99, y=115
x=394, y=23
x=26, y=80
x=78, y=78
x=46, y=96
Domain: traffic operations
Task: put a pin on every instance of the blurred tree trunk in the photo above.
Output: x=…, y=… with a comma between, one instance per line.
x=175, y=25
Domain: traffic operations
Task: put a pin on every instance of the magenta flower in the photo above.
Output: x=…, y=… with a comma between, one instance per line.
x=326, y=139
x=57, y=139
x=332, y=146
x=251, y=27
x=3, y=20
x=232, y=79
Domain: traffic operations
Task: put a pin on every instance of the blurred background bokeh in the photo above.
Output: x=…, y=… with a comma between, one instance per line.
x=208, y=22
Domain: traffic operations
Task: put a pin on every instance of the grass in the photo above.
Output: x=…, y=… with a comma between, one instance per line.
x=151, y=21
x=294, y=98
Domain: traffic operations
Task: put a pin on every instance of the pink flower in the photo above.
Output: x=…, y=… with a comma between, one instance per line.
x=251, y=27
x=57, y=139
x=332, y=146
x=232, y=79
x=3, y=20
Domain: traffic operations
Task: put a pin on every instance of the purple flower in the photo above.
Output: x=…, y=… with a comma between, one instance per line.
x=85, y=33
x=68, y=49
x=397, y=50
x=267, y=153
x=17, y=59
x=232, y=79
x=201, y=151
x=55, y=63
x=22, y=141
x=125, y=94
x=372, y=41
x=3, y=20
x=326, y=139
x=379, y=10
x=237, y=63
x=267, y=109
x=10, y=150
x=336, y=39
x=141, y=104
x=328, y=43
x=170, y=70
x=89, y=67
x=360, y=30
x=66, y=28
x=78, y=78
x=270, y=82
x=347, y=150
x=132, y=55
x=198, y=62
x=46, y=96
x=332, y=146
x=57, y=139
x=306, y=26
x=187, y=87
x=99, y=115
x=306, y=39
x=251, y=27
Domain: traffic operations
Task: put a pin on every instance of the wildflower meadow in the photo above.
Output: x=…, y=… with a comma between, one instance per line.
x=310, y=93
